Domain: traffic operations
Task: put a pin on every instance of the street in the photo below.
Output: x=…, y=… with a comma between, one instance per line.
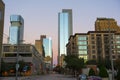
x=52, y=76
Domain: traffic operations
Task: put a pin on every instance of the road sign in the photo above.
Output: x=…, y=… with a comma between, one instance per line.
x=17, y=66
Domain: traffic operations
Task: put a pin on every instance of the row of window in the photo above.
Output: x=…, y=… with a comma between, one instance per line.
x=94, y=57
x=14, y=55
x=14, y=49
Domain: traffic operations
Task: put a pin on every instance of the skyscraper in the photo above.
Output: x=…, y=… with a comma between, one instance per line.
x=16, y=31
x=2, y=9
x=44, y=47
x=39, y=45
x=64, y=30
x=47, y=44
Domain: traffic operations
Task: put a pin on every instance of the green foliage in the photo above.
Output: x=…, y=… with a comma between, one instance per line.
x=103, y=72
x=73, y=62
x=59, y=69
x=91, y=72
x=118, y=74
x=117, y=63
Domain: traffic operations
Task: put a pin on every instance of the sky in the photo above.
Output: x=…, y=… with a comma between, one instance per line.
x=41, y=16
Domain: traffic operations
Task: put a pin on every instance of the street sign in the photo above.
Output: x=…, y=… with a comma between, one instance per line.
x=17, y=66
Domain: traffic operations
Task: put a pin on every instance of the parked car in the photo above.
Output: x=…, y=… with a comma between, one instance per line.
x=94, y=78
x=82, y=77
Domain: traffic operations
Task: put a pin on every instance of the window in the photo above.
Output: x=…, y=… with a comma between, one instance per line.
x=82, y=47
x=93, y=42
x=118, y=42
x=94, y=57
x=93, y=51
x=82, y=43
x=118, y=46
x=6, y=48
x=93, y=47
x=82, y=52
x=113, y=57
x=82, y=38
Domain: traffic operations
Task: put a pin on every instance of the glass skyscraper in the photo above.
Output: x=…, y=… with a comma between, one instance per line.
x=47, y=44
x=64, y=30
x=16, y=31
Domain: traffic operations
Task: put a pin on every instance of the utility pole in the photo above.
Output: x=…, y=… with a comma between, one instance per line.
x=17, y=64
x=110, y=50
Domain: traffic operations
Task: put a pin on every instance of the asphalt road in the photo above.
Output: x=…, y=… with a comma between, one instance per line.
x=53, y=76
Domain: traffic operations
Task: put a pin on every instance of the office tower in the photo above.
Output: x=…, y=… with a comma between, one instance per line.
x=44, y=47
x=64, y=30
x=47, y=45
x=2, y=10
x=16, y=31
x=106, y=24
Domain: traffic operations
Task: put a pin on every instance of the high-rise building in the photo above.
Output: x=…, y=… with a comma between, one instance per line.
x=2, y=10
x=16, y=31
x=39, y=45
x=65, y=29
x=47, y=45
x=44, y=46
x=106, y=24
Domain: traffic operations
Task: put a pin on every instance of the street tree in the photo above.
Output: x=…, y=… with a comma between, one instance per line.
x=74, y=63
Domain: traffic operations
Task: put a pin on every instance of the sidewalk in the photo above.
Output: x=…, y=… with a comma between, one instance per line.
x=13, y=78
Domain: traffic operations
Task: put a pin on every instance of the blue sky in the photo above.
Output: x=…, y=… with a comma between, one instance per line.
x=41, y=16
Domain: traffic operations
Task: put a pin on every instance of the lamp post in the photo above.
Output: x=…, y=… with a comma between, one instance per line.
x=110, y=51
x=17, y=64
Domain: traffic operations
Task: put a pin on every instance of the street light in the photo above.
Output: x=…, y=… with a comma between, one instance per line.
x=110, y=51
x=17, y=64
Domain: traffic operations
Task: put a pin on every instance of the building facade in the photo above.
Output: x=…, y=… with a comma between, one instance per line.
x=106, y=24
x=95, y=45
x=64, y=30
x=16, y=31
x=2, y=11
x=78, y=45
x=26, y=53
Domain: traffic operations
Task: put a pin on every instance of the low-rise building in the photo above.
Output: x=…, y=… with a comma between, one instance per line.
x=26, y=53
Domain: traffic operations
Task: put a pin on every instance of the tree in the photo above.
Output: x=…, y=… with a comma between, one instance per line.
x=91, y=72
x=73, y=62
x=103, y=72
x=117, y=65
